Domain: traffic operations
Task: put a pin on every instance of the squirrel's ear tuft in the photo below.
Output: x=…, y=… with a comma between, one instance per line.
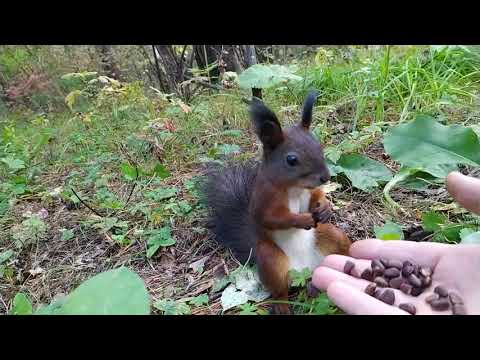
x=267, y=126
x=308, y=108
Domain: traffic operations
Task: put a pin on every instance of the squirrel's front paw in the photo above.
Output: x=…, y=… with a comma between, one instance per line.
x=322, y=214
x=306, y=222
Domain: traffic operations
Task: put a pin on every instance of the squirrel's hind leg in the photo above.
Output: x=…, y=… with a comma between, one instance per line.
x=273, y=268
x=331, y=240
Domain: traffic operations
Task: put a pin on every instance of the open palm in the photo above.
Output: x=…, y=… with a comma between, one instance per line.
x=456, y=267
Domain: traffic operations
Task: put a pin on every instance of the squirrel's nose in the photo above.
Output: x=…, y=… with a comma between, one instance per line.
x=324, y=178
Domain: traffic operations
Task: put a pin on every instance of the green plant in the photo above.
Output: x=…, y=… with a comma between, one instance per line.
x=113, y=292
x=172, y=307
x=158, y=238
x=425, y=145
x=30, y=231
x=251, y=309
x=389, y=231
x=364, y=173
x=300, y=278
x=261, y=76
x=443, y=230
x=199, y=300
x=21, y=305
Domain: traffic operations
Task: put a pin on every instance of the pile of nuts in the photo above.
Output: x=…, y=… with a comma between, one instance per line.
x=410, y=279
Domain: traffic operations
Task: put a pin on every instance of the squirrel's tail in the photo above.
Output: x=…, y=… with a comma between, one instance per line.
x=226, y=192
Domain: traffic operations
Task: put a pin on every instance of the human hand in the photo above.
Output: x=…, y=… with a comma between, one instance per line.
x=456, y=267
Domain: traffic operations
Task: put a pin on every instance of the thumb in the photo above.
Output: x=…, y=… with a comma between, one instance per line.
x=465, y=190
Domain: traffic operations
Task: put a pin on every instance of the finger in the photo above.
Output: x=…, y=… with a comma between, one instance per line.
x=337, y=262
x=422, y=253
x=324, y=276
x=355, y=302
x=465, y=190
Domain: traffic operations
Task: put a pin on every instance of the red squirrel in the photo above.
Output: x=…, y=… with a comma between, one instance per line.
x=275, y=212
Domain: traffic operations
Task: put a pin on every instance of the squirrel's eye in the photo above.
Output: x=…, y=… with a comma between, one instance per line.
x=292, y=160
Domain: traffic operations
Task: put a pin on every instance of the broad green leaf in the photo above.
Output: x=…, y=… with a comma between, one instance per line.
x=161, y=171
x=261, y=76
x=472, y=238
x=420, y=180
x=333, y=153
x=114, y=292
x=128, y=171
x=428, y=145
x=161, y=193
x=364, y=173
x=5, y=255
x=172, y=307
x=199, y=300
x=389, y=231
x=67, y=234
x=433, y=221
x=21, y=305
x=159, y=238
x=14, y=164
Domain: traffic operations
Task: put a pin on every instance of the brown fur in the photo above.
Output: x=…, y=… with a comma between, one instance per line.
x=291, y=159
x=330, y=239
x=273, y=270
x=270, y=206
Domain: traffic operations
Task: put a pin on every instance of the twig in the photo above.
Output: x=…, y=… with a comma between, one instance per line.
x=85, y=204
x=133, y=187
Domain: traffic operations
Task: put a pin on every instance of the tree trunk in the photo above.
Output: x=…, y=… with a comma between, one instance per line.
x=251, y=59
x=109, y=65
x=226, y=58
x=171, y=70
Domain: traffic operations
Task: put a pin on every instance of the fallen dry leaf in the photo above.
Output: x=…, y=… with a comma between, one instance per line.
x=445, y=207
x=198, y=265
x=36, y=271
x=331, y=187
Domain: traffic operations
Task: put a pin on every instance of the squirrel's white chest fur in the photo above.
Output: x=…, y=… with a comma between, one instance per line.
x=299, y=244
